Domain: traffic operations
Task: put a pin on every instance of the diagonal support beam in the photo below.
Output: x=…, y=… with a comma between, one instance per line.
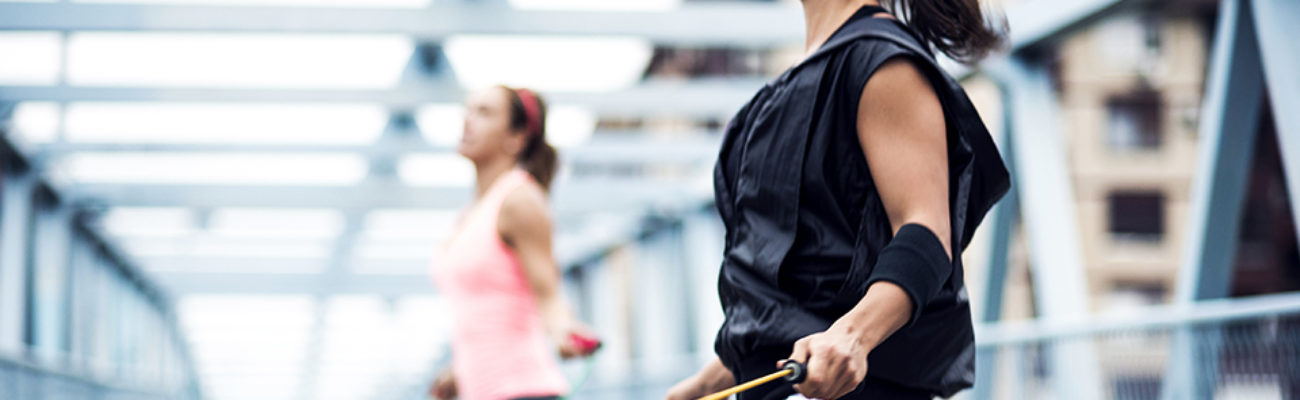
x=1229, y=122
x=1046, y=202
x=1275, y=21
x=1228, y=129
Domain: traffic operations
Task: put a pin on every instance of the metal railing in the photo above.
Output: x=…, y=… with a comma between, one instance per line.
x=1246, y=348
x=22, y=379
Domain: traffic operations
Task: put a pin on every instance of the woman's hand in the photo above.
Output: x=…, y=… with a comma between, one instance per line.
x=837, y=358
x=712, y=378
x=576, y=341
x=836, y=361
x=444, y=386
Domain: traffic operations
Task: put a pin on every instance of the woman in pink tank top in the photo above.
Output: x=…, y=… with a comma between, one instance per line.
x=511, y=321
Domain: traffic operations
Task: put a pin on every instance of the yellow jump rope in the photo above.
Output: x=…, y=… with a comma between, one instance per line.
x=791, y=370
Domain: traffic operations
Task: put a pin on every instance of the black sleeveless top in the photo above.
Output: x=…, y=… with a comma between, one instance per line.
x=805, y=222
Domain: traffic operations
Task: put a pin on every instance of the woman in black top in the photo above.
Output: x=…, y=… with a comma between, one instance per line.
x=849, y=187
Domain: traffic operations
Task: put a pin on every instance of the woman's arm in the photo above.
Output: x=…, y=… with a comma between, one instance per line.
x=714, y=377
x=903, y=135
x=525, y=225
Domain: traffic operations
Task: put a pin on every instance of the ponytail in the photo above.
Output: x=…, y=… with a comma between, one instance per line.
x=540, y=159
x=957, y=28
x=528, y=114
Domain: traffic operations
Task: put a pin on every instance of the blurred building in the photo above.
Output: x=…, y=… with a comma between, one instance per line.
x=1130, y=88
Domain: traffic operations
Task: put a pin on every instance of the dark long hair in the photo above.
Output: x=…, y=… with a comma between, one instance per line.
x=539, y=158
x=958, y=28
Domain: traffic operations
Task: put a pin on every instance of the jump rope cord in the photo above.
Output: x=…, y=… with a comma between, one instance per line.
x=792, y=371
x=589, y=364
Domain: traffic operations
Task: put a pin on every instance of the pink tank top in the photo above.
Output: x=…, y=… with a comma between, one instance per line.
x=499, y=342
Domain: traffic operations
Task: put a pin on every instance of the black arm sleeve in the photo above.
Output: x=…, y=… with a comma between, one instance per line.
x=915, y=261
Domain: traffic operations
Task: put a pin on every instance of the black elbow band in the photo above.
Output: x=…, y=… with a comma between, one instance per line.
x=915, y=261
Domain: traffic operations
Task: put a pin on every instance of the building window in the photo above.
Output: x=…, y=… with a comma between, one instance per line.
x=1136, y=294
x=1137, y=216
x=1133, y=122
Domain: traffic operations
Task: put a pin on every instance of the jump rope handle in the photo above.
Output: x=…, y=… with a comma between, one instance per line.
x=587, y=345
x=798, y=371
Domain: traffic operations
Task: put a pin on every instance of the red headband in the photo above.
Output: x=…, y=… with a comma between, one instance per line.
x=532, y=112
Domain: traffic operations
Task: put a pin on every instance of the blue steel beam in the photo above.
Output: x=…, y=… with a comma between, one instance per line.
x=1005, y=216
x=1275, y=21
x=1229, y=124
x=1046, y=203
x=699, y=98
x=15, y=210
x=1229, y=121
x=753, y=24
